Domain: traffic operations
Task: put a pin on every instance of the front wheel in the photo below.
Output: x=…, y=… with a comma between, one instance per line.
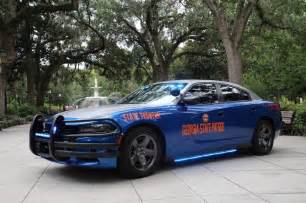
x=263, y=138
x=140, y=154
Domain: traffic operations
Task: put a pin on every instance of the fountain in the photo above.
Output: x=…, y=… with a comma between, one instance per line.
x=96, y=88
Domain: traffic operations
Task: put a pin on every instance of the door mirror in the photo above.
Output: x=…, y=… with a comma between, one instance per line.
x=175, y=92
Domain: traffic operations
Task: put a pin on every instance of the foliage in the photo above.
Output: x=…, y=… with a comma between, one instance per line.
x=203, y=61
x=66, y=90
x=21, y=110
x=275, y=64
x=12, y=120
x=299, y=119
x=153, y=30
x=299, y=122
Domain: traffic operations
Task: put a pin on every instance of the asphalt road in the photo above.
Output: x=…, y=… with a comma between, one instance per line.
x=278, y=177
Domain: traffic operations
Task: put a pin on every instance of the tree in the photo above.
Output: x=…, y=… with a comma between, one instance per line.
x=52, y=41
x=203, y=61
x=274, y=48
x=157, y=27
x=12, y=14
x=231, y=33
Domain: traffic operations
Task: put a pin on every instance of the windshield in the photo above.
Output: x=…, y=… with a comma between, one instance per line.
x=155, y=93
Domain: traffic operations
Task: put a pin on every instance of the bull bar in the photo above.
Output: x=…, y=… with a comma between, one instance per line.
x=54, y=145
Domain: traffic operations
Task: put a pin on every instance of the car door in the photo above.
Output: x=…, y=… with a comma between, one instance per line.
x=239, y=114
x=201, y=120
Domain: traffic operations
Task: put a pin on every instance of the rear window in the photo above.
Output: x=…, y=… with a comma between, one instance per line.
x=206, y=93
x=230, y=93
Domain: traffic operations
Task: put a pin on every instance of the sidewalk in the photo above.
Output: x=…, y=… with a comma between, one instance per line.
x=278, y=177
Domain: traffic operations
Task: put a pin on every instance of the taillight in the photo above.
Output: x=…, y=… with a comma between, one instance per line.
x=274, y=107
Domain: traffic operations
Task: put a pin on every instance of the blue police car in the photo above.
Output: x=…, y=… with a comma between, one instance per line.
x=174, y=121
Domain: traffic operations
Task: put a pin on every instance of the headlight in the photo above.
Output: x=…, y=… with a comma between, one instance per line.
x=90, y=128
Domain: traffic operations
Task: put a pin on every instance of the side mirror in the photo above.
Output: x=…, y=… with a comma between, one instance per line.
x=175, y=92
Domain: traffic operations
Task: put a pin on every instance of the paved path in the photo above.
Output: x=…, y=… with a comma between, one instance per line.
x=279, y=177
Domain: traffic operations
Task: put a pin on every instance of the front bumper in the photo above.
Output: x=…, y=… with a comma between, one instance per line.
x=73, y=149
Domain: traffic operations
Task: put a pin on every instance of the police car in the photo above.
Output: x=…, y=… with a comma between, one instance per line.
x=174, y=121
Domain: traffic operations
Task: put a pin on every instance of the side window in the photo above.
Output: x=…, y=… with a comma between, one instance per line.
x=230, y=93
x=202, y=94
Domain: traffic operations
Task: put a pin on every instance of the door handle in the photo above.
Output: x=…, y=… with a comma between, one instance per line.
x=221, y=113
x=253, y=109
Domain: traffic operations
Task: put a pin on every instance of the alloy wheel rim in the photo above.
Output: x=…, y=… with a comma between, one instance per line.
x=265, y=136
x=143, y=152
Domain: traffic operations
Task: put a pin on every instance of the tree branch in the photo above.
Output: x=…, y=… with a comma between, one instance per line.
x=212, y=6
x=266, y=21
x=28, y=11
x=141, y=39
x=195, y=53
x=244, y=10
x=82, y=22
x=220, y=18
x=183, y=38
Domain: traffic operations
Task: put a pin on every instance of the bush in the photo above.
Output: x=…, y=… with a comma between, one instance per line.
x=21, y=110
x=12, y=120
x=299, y=119
x=26, y=110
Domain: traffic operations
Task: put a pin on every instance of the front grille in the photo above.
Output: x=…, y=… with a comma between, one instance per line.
x=70, y=130
x=64, y=142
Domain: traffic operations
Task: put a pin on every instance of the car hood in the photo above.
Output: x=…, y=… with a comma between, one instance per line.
x=99, y=112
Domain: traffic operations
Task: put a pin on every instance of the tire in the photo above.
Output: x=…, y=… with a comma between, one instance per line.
x=263, y=138
x=140, y=153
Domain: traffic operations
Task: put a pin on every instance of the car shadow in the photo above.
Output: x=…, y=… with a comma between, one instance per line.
x=85, y=175
x=100, y=175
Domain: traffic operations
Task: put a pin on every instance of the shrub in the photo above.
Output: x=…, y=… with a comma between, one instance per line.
x=26, y=110
x=22, y=110
x=12, y=120
x=299, y=119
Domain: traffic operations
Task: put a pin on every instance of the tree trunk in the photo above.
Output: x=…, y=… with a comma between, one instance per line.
x=41, y=90
x=42, y=84
x=31, y=78
x=234, y=64
x=7, y=43
x=160, y=72
x=41, y=93
x=2, y=78
x=161, y=67
x=2, y=88
x=40, y=99
x=29, y=63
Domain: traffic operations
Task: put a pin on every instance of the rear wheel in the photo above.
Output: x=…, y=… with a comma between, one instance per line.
x=263, y=138
x=140, y=154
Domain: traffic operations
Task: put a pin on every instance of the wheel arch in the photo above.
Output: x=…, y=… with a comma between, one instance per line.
x=153, y=127
x=266, y=118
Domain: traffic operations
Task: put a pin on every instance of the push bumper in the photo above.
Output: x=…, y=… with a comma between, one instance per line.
x=76, y=149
